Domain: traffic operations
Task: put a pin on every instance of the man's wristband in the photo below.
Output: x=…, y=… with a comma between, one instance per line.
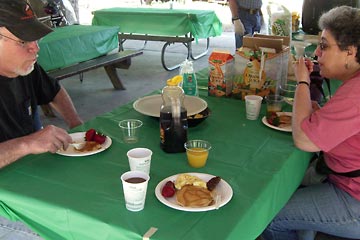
x=234, y=19
x=303, y=82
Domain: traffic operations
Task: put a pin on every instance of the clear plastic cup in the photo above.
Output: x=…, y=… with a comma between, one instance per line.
x=197, y=152
x=131, y=130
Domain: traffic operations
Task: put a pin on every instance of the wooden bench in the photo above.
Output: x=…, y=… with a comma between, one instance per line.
x=110, y=62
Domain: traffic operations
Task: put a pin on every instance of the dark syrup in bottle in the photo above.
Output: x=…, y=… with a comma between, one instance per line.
x=173, y=134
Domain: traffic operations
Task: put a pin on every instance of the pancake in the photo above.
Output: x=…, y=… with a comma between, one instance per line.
x=194, y=196
x=284, y=121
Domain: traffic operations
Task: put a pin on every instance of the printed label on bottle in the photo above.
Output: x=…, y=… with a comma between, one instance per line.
x=189, y=84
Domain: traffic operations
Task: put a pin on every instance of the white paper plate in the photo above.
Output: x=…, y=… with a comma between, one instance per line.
x=150, y=105
x=298, y=44
x=284, y=129
x=79, y=137
x=223, y=189
x=313, y=39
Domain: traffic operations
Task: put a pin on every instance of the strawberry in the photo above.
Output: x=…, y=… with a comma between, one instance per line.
x=168, y=190
x=89, y=135
x=99, y=138
x=273, y=118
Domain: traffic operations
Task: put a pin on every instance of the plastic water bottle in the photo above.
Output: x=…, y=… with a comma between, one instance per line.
x=189, y=83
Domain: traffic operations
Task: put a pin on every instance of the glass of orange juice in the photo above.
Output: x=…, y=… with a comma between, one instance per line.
x=197, y=152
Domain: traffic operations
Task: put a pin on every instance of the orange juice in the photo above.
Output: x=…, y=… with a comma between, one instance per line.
x=197, y=156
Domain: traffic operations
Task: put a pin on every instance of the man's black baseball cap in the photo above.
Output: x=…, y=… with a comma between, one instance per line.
x=19, y=18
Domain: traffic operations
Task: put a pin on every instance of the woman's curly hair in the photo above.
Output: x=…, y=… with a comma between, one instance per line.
x=344, y=24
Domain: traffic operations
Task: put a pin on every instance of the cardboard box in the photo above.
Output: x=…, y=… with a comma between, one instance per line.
x=221, y=72
x=260, y=65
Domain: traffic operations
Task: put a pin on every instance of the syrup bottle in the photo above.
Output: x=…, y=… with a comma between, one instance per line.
x=173, y=118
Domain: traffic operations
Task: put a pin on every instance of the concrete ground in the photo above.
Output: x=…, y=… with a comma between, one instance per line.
x=96, y=95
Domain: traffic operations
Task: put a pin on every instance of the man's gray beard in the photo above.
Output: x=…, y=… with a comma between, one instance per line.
x=22, y=73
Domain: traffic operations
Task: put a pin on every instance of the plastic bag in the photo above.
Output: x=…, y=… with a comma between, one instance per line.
x=280, y=20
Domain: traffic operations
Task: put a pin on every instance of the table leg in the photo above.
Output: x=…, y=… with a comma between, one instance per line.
x=188, y=45
x=201, y=54
x=163, y=57
x=121, y=44
x=186, y=40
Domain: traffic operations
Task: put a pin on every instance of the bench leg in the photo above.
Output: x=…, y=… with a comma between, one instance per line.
x=125, y=64
x=114, y=77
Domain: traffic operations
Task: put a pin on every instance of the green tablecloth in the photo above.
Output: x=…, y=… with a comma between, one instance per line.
x=72, y=44
x=81, y=198
x=167, y=22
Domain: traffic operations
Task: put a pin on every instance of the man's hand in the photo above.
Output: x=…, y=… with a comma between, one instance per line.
x=50, y=139
x=239, y=27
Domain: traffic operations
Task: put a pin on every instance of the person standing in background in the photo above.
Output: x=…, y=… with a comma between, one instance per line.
x=246, y=17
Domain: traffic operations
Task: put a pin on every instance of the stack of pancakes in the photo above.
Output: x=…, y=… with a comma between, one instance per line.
x=192, y=191
x=194, y=196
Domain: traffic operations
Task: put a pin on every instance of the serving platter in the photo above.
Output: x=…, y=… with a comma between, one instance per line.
x=150, y=105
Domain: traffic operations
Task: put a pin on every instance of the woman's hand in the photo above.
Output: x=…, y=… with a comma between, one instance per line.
x=315, y=106
x=302, y=69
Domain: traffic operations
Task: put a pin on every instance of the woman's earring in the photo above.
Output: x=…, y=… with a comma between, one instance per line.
x=346, y=65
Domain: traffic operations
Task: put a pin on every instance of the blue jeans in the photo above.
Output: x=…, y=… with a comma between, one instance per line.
x=16, y=231
x=251, y=22
x=316, y=208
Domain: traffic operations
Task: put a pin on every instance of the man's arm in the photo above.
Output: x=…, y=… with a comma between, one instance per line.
x=238, y=25
x=49, y=139
x=233, y=8
x=64, y=106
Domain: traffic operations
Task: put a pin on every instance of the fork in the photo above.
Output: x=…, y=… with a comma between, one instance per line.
x=77, y=145
x=217, y=201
